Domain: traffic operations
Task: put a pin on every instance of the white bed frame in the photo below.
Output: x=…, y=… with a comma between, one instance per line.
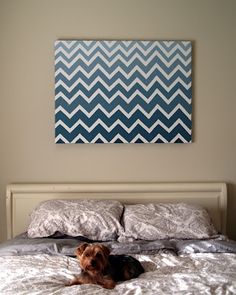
x=21, y=199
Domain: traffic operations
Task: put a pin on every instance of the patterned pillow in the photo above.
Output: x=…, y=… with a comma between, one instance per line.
x=95, y=220
x=165, y=221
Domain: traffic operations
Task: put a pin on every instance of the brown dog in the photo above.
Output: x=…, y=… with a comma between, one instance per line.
x=98, y=267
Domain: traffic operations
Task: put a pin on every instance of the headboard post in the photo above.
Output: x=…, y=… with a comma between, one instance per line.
x=9, y=212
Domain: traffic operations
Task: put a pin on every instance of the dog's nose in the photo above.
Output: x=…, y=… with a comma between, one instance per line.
x=93, y=263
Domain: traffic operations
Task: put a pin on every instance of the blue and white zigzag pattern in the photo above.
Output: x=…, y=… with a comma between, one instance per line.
x=123, y=92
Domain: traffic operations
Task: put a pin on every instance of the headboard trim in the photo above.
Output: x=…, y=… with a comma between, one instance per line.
x=21, y=199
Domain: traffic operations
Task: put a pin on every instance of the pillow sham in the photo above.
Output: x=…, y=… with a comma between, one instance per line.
x=165, y=221
x=93, y=219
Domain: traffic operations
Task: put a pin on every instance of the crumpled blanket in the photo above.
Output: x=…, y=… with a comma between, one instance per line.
x=198, y=273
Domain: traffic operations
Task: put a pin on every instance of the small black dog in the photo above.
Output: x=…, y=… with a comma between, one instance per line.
x=98, y=267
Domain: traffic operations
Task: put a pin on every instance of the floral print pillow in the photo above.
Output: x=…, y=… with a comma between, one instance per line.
x=93, y=219
x=165, y=221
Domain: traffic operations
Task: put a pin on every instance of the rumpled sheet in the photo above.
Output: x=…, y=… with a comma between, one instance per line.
x=65, y=245
x=44, y=266
x=199, y=273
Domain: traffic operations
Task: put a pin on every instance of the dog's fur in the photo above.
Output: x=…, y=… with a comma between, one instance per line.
x=101, y=268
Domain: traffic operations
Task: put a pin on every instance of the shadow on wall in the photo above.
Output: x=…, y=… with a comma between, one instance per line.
x=231, y=192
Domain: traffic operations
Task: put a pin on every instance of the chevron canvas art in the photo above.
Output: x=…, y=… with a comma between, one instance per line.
x=123, y=91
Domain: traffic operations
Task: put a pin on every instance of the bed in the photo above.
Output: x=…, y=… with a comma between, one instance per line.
x=179, y=255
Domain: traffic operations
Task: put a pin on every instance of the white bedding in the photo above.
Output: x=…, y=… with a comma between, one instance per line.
x=165, y=273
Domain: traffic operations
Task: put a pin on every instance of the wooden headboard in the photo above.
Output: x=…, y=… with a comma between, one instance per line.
x=21, y=199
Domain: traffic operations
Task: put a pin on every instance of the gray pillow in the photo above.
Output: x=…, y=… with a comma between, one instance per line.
x=95, y=220
x=165, y=221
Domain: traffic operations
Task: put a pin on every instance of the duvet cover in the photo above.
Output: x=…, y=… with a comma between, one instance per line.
x=46, y=265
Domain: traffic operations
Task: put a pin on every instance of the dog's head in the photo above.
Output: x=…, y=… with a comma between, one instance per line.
x=93, y=258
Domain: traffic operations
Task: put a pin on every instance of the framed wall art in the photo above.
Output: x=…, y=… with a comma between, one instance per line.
x=123, y=91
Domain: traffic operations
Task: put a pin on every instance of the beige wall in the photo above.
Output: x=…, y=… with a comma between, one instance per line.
x=28, y=29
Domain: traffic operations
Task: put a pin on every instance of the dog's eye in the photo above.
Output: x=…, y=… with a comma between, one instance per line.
x=86, y=255
x=98, y=255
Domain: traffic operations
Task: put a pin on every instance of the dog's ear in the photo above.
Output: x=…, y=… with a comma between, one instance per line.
x=105, y=250
x=79, y=251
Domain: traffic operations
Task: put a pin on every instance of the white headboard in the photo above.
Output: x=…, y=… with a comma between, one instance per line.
x=21, y=199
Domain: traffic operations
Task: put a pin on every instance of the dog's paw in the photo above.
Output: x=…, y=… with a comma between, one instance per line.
x=108, y=284
x=72, y=282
